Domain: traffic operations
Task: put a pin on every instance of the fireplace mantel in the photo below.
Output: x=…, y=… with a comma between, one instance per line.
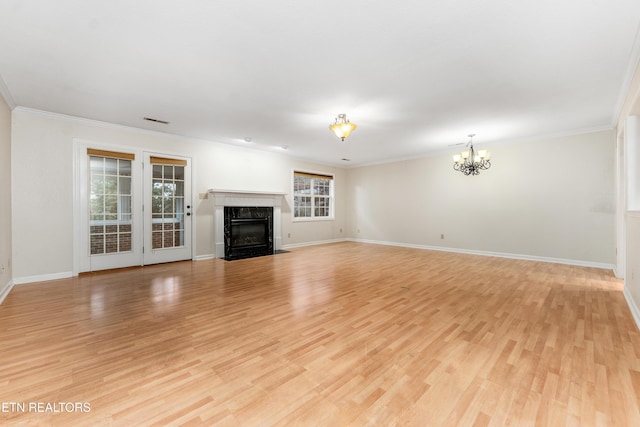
x=222, y=198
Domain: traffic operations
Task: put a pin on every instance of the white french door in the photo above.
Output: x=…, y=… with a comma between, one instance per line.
x=109, y=209
x=167, y=208
x=132, y=207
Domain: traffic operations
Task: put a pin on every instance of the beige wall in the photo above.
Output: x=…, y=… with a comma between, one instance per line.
x=552, y=198
x=5, y=198
x=43, y=186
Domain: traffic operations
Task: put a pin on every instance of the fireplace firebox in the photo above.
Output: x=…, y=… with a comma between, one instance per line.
x=248, y=231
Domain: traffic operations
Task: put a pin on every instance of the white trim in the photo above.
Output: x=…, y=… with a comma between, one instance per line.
x=317, y=242
x=4, y=291
x=222, y=198
x=4, y=92
x=427, y=153
x=493, y=254
x=632, y=65
x=635, y=312
x=237, y=144
x=76, y=258
x=312, y=218
x=617, y=272
x=108, y=125
x=43, y=277
x=441, y=151
x=242, y=193
x=204, y=257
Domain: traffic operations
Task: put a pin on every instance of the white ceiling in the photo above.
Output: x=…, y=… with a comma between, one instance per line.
x=415, y=76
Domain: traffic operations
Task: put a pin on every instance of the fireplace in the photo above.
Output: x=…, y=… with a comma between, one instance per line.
x=223, y=199
x=248, y=231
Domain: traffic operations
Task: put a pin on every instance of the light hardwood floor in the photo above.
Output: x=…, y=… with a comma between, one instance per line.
x=345, y=334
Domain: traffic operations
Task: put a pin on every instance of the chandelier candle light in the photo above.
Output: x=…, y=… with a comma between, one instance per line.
x=342, y=127
x=470, y=161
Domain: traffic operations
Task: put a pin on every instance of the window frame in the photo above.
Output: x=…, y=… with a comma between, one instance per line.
x=331, y=197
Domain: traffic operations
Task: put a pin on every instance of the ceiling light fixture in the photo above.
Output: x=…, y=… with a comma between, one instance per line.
x=470, y=162
x=342, y=127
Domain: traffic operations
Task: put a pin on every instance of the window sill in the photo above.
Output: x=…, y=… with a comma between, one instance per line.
x=311, y=219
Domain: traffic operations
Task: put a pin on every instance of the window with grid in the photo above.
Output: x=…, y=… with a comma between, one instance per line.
x=109, y=202
x=312, y=195
x=167, y=203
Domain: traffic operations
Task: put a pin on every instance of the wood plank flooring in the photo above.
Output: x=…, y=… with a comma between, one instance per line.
x=345, y=334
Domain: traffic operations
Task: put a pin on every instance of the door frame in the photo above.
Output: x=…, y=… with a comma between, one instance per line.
x=80, y=146
x=164, y=254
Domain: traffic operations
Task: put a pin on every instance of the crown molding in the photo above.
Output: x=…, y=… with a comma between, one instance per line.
x=449, y=150
x=4, y=92
x=632, y=68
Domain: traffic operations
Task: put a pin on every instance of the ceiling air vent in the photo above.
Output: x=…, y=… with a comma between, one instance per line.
x=164, y=122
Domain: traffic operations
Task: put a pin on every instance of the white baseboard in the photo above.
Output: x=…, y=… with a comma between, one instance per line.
x=618, y=273
x=203, y=257
x=494, y=254
x=635, y=312
x=317, y=242
x=4, y=290
x=42, y=277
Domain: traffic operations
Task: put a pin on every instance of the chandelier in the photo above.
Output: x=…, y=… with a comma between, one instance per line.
x=342, y=127
x=470, y=161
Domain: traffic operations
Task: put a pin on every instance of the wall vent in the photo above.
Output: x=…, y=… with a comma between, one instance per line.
x=164, y=122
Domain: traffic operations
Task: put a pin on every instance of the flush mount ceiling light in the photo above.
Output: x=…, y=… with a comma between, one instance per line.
x=470, y=161
x=342, y=127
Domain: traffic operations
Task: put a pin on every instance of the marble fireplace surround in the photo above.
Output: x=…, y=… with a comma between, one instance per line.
x=222, y=198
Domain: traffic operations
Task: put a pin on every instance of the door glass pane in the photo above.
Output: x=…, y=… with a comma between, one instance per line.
x=125, y=185
x=179, y=172
x=167, y=206
x=124, y=167
x=168, y=172
x=109, y=206
x=111, y=166
x=157, y=171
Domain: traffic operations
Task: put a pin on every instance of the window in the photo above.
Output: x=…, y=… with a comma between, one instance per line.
x=312, y=195
x=167, y=203
x=110, y=202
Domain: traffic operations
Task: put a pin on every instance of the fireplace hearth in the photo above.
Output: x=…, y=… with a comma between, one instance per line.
x=248, y=231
